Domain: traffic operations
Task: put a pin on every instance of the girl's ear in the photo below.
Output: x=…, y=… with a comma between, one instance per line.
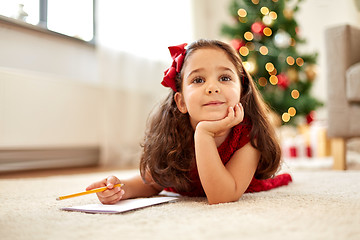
x=180, y=103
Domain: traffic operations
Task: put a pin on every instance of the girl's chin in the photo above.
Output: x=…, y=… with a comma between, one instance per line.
x=215, y=117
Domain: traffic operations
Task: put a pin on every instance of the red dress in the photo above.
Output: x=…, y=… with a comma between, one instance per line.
x=238, y=137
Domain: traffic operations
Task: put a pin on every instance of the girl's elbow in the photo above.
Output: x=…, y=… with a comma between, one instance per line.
x=213, y=201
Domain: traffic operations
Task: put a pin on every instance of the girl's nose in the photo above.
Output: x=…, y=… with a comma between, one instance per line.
x=213, y=88
x=211, y=91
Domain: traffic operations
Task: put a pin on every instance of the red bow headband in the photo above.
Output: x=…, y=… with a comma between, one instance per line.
x=177, y=54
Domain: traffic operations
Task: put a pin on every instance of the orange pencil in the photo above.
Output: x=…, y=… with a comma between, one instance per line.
x=87, y=192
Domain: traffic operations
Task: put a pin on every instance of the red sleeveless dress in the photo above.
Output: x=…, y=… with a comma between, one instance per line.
x=238, y=137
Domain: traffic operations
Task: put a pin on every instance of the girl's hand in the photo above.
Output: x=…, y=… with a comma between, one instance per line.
x=220, y=127
x=111, y=195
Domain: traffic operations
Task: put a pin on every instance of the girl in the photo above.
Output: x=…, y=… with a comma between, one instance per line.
x=210, y=137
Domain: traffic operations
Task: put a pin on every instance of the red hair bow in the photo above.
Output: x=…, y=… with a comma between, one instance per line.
x=177, y=54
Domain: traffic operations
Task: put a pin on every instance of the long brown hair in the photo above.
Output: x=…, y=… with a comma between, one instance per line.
x=168, y=149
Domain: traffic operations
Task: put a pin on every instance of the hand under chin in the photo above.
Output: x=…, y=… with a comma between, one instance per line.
x=216, y=116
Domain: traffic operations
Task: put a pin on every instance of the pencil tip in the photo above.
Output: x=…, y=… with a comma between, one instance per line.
x=57, y=199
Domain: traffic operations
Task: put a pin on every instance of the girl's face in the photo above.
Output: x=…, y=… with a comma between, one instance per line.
x=210, y=86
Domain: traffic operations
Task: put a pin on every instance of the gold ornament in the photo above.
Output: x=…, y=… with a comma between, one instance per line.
x=292, y=74
x=288, y=13
x=311, y=72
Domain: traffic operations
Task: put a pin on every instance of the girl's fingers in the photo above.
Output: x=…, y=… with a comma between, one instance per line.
x=239, y=112
x=111, y=181
x=231, y=113
x=109, y=192
x=114, y=198
x=99, y=184
x=108, y=182
x=111, y=195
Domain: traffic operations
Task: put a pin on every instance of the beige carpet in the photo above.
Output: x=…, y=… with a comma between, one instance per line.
x=317, y=205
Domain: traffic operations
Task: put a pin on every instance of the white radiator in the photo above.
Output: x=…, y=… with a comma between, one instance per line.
x=30, y=159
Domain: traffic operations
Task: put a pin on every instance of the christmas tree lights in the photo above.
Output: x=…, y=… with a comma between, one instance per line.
x=266, y=35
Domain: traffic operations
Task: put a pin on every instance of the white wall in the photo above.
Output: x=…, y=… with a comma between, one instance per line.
x=27, y=49
x=50, y=94
x=39, y=110
x=209, y=15
x=56, y=92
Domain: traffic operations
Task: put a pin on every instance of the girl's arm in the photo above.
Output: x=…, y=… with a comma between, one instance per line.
x=223, y=183
x=134, y=187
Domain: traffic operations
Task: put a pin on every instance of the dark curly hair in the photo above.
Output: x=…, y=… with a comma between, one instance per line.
x=168, y=149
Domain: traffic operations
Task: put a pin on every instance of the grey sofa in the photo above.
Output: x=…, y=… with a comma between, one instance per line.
x=343, y=88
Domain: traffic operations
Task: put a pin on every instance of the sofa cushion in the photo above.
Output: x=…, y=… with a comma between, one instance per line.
x=353, y=83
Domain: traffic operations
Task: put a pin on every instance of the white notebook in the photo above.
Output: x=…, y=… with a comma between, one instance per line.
x=121, y=206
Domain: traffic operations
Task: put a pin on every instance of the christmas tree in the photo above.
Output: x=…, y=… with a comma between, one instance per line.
x=266, y=35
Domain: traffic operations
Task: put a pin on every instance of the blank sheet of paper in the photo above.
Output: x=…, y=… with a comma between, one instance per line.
x=121, y=206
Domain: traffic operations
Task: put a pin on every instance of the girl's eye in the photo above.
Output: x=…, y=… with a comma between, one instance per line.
x=198, y=80
x=225, y=79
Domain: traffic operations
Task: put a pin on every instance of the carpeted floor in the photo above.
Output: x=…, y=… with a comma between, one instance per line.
x=317, y=205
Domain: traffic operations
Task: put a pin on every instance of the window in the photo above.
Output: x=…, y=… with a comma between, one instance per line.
x=71, y=18
x=27, y=10
x=144, y=28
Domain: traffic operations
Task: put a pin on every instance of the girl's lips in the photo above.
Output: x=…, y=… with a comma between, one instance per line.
x=213, y=103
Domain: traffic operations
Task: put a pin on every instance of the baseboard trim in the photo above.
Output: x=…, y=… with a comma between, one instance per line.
x=31, y=159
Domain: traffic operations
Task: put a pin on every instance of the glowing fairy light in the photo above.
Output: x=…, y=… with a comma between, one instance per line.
x=246, y=65
x=269, y=67
x=267, y=31
x=285, y=117
x=273, y=15
x=299, y=61
x=248, y=36
x=244, y=51
x=273, y=72
x=262, y=81
x=292, y=111
x=267, y=20
x=290, y=60
x=273, y=80
x=242, y=12
x=295, y=94
x=264, y=10
x=264, y=50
